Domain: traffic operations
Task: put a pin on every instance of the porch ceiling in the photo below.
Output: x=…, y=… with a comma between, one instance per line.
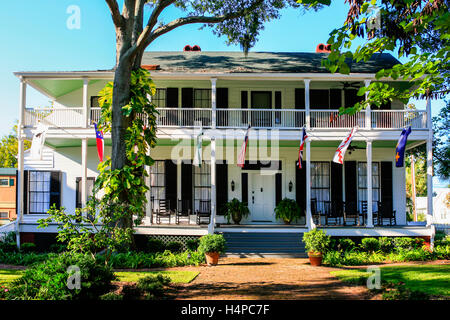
x=56, y=88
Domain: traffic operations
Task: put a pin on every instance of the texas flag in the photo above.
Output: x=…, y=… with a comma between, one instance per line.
x=100, y=142
x=400, y=148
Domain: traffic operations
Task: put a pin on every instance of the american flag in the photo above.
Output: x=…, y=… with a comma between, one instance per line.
x=300, y=150
x=241, y=158
x=100, y=142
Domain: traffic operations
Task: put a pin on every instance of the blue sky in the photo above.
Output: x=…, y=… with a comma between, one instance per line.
x=35, y=37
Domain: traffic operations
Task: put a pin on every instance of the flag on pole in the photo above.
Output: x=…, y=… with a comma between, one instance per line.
x=340, y=152
x=37, y=144
x=100, y=142
x=241, y=158
x=198, y=150
x=300, y=150
x=400, y=148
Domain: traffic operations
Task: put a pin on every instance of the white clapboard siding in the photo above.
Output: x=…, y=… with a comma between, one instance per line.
x=47, y=161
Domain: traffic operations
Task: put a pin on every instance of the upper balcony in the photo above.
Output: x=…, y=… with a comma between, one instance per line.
x=283, y=119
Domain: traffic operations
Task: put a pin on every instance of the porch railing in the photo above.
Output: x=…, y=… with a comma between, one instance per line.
x=241, y=118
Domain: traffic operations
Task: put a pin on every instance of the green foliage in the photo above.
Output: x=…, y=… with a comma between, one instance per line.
x=152, y=287
x=346, y=244
x=212, y=243
x=192, y=245
x=9, y=237
x=370, y=244
x=9, y=149
x=28, y=247
x=386, y=244
x=399, y=291
x=155, y=245
x=236, y=210
x=58, y=247
x=111, y=296
x=316, y=241
x=287, y=210
x=407, y=243
x=24, y=259
x=8, y=246
x=174, y=246
x=441, y=143
x=48, y=280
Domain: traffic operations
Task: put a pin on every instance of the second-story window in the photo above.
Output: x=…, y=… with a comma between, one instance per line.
x=202, y=98
x=159, y=99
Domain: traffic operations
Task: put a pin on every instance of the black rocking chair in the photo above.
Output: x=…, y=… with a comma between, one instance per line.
x=385, y=212
x=163, y=212
x=183, y=211
x=314, y=213
x=364, y=213
x=204, y=211
x=335, y=212
x=351, y=212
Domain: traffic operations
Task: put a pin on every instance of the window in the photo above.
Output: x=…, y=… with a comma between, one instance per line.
x=4, y=215
x=157, y=183
x=202, y=98
x=362, y=184
x=4, y=182
x=90, y=188
x=320, y=183
x=159, y=99
x=202, y=184
x=39, y=191
x=94, y=102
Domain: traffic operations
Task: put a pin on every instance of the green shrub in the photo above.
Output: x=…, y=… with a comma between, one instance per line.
x=28, y=247
x=23, y=259
x=192, y=244
x=408, y=243
x=287, y=210
x=236, y=210
x=212, y=243
x=346, y=244
x=152, y=287
x=111, y=296
x=155, y=245
x=8, y=247
x=370, y=244
x=386, y=244
x=174, y=246
x=57, y=247
x=316, y=241
x=442, y=252
x=439, y=236
x=48, y=280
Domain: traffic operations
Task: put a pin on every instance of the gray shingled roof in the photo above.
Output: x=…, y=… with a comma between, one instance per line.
x=255, y=62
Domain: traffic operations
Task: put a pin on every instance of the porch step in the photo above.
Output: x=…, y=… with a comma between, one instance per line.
x=269, y=243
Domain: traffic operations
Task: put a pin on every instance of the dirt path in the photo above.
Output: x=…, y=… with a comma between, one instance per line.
x=266, y=278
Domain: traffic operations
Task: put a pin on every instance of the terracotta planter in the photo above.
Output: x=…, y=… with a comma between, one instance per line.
x=212, y=258
x=315, y=259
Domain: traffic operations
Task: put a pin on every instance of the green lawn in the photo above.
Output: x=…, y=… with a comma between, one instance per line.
x=431, y=279
x=8, y=275
x=175, y=276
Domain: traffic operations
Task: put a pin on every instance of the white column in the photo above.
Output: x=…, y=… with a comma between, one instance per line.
x=213, y=102
x=368, y=109
x=84, y=144
x=85, y=103
x=148, y=207
x=429, y=165
x=309, y=220
x=369, y=223
x=213, y=186
x=179, y=161
x=307, y=105
x=20, y=166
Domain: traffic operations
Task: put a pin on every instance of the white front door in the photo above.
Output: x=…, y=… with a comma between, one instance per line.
x=261, y=197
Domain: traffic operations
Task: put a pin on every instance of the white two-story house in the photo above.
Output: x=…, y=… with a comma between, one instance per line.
x=222, y=93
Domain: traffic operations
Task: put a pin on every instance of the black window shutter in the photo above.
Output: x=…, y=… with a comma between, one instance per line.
x=319, y=99
x=172, y=98
x=336, y=183
x=386, y=185
x=300, y=186
x=244, y=105
x=277, y=99
x=25, y=191
x=335, y=98
x=55, y=188
x=299, y=98
x=350, y=181
x=278, y=188
x=222, y=103
x=186, y=183
x=244, y=178
x=187, y=98
x=351, y=97
x=222, y=187
x=171, y=183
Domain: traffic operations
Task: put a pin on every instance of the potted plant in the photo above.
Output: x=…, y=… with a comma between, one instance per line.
x=316, y=243
x=235, y=210
x=287, y=210
x=212, y=245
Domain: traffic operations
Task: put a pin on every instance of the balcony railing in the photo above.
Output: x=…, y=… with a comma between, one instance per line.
x=241, y=118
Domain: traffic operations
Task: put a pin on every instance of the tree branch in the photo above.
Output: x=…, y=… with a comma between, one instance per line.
x=115, y=13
